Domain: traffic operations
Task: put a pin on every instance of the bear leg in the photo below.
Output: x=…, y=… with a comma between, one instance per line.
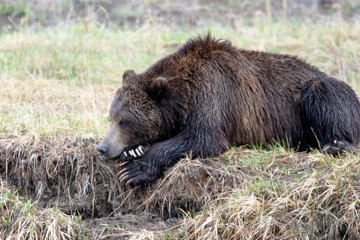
x=165, y=154
x=330, y=115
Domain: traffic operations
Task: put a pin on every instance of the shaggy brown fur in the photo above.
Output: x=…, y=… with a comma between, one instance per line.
x=209, y=95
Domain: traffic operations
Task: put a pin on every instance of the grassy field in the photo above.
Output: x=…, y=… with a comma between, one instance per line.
x=56, y=89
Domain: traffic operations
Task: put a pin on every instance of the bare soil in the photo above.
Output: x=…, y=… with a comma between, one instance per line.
x=123, y=226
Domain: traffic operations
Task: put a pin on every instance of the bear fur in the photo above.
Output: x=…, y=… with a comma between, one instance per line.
x=209, y=95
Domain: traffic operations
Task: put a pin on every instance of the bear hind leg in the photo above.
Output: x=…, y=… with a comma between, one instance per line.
x=330, y=115
x=338, y=146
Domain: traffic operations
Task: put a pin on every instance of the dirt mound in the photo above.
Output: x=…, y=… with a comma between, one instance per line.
x=245, y=193
x=70, y=174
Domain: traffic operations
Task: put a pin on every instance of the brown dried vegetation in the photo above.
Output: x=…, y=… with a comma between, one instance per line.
x=247, y=193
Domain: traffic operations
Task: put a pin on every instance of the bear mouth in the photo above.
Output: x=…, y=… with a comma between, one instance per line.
x=134, y=152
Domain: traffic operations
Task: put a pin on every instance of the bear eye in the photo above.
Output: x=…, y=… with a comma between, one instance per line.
x=123, y=123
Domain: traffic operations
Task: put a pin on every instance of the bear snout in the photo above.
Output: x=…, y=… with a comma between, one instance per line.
x=102, y=149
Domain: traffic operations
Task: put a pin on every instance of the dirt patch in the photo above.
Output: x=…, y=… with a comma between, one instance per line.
x=127, y=225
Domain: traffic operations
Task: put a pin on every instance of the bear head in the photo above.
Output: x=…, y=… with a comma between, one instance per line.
x=136, y=119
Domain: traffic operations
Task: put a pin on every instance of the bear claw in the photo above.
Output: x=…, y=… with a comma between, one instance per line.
x=130, y=171
x=139, y=180
x=338, y=147
x=122, y=164
x=123, y=177
x=133, y=153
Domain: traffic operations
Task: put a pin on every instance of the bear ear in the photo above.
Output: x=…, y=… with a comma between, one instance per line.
x=128, y=76
x=158, y=88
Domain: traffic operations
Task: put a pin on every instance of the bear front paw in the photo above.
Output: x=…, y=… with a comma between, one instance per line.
x=134, y=173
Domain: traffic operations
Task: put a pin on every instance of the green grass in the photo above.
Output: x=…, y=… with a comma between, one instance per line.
x=59, y=82
x=62, y=79
x=15, y=10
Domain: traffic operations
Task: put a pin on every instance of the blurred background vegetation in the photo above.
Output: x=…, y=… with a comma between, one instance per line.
x=183, y=14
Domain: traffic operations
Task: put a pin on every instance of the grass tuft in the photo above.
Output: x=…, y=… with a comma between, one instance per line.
x=292, y=196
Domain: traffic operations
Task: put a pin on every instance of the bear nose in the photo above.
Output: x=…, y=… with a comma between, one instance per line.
x=102, y=149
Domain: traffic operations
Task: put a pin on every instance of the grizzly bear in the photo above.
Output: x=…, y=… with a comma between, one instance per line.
x=209, y=95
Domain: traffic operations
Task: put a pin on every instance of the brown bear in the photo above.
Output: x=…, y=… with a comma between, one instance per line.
x=209, y=95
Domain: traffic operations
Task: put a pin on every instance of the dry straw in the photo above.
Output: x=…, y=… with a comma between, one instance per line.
x=249, y=194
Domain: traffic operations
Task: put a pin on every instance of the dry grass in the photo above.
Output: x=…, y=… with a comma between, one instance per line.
x=247, y=193
x=22, y=219
x=64, y=172
x=57, y=85
x=287, y=196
